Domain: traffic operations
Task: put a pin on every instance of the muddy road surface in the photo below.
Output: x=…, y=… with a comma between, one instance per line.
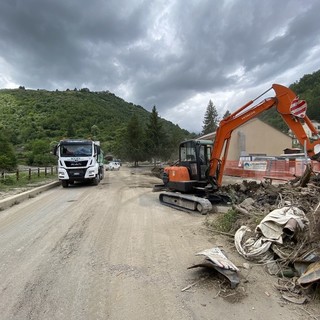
x=113, y=252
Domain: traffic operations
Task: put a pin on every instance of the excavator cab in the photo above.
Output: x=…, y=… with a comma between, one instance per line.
x=195, y=155
x=191, y=171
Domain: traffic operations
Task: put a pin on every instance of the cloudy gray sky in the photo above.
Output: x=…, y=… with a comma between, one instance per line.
x=174, y=54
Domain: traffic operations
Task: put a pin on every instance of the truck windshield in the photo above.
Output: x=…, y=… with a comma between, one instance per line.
x=79, y=150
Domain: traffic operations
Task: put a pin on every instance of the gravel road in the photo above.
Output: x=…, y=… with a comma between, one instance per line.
x=113, y=252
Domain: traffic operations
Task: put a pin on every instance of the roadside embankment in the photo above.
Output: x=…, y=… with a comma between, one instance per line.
x=17, y=198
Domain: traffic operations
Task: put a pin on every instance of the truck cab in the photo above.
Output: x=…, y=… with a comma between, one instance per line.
x=79, y=160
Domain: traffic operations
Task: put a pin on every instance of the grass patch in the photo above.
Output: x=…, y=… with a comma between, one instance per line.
x=10, y=182
x=224, y=222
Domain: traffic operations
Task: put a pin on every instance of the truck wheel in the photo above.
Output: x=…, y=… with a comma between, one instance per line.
x=101, y=174
x=64, y=183
x=96, y=180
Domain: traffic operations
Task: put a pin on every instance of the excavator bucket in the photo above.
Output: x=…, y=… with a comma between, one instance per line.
x=285, y=97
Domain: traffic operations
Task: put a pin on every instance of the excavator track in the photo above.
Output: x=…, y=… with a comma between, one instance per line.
x=184, y=202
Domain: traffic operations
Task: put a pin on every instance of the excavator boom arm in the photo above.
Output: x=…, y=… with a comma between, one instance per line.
x=282, y=100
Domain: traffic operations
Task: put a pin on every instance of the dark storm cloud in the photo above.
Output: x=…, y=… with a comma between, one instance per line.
x=68, y=41
x=264, y=39
x=172, y=54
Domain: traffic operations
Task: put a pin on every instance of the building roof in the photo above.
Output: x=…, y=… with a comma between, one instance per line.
x=211, y=135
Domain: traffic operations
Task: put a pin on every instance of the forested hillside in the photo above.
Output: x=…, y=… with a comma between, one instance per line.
x=40, y=117
x=32, y=121
x=307, y=88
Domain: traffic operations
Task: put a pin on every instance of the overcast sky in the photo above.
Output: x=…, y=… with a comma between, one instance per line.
x=174, y=54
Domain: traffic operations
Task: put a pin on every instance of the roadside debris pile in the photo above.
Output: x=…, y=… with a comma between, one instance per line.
x=253, y=200
x=287, y=238
x=267, y=197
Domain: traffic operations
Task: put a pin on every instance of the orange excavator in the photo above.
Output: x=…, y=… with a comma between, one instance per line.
x=193, y=183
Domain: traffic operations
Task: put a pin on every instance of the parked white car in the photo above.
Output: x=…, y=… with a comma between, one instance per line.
x=112, y=165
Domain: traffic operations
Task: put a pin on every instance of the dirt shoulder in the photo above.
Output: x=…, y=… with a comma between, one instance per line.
x=12, y=191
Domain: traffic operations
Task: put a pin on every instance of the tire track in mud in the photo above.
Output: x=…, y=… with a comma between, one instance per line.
x=36, y=298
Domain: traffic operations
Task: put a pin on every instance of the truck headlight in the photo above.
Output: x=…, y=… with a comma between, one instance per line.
x=61, y=174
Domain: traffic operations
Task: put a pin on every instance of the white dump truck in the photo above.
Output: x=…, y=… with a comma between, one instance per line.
x=79, y=160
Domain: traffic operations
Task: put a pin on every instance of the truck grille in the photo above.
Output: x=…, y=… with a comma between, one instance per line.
x=76, y=173
x=72, y=164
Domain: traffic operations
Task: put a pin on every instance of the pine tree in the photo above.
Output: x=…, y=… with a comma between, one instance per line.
x=210, y=122
x=135, y=141
x=156, y=139
x=227, y=114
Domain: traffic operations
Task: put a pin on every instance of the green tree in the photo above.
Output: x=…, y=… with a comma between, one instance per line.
x=175, y=137
x=39, y=153
x=156, y=138
x=70, y=130
x=94, y=131
x=210, y=121
x=227, y=114
x=8, y=160
x=135, y=141
x=117, y=145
